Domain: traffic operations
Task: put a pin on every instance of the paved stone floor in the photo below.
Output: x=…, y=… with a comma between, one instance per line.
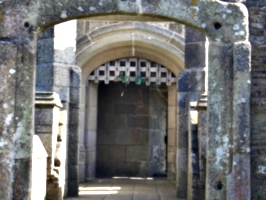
x=126, y=189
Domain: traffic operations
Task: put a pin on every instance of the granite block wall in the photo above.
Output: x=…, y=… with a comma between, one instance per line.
x=131, y=130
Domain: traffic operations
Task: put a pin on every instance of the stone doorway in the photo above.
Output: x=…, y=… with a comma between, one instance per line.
x=131, y=131
x=135, y=133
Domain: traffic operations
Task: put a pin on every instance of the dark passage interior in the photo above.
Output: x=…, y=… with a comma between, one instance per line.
x=132, y=130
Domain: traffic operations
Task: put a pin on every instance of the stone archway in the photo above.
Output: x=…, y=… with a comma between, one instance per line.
x=150, y=136
x=228, y=105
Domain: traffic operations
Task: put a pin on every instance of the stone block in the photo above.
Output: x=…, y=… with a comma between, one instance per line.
x=47, y=33
x=106, y=108
x=138, y=169
x=157, y=121
x=191, y=81
x=142, y=110
x=82, y=156
x=178, y=28
x=104, y=138
x=105, y=169
x=171, y=136
x=157, y=137
x=138, y=122
x=72, y=172
x=45, y=50
x=172, y=112
x=126, y=109
x=65, y=56
x=44, y=116
x=137, y=153
x=75, y=95
x=194, y=55
x=111, y=122
x=172, y=95
x=80, y=28
x=171, y=157
x=73, y=116
x=43, y=129
x=75, y=76
x=63, y=92
x=178, y=41
x=132, y=137
x=73, y=188
x=82, y=173
x=158, y=95
x=44, y=75
x=61, y=75
x=82, y=43
x=157, y=168
x=22, y=182
x=116, y=153
x=193, y=36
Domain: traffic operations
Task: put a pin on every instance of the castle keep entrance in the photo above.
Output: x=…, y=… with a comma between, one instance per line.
x=132, y=121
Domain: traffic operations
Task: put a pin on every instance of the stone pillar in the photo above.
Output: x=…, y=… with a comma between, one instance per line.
x=202, y=140
x=191, y=83
x=47, y=118
x=228, y=162
x=239, y=179
x=220, y=119
x=171, y=144
x=74, y=126
x=193, y=154
x=182, y=144
x=91, y=129
x=8, y=71
x=16, y=106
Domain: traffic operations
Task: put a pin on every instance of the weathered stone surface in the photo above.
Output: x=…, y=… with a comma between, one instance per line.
x=182, y=145
x=220, y=119
x=20, y=21
x=191, y=80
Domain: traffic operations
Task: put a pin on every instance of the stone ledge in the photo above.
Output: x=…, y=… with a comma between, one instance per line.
x=47, y=99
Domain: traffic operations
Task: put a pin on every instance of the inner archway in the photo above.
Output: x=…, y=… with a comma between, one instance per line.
x=132, y=117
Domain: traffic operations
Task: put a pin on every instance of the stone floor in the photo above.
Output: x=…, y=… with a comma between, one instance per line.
x=126, y=189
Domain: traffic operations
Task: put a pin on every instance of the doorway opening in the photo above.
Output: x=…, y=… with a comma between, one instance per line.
x=133, y=136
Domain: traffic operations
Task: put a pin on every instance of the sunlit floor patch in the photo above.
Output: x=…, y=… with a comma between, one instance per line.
x=132, y=178
x=98, y=190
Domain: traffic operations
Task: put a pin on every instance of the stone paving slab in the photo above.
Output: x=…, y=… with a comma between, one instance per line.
x=126, y=189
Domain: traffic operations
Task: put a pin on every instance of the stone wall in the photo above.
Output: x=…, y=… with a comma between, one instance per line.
x=131, y=130
x=257, y=24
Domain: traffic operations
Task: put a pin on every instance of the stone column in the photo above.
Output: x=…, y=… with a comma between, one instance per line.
x=182, y=144
x=47, y=118
x=91, y=129
x=239, y=179
x=191, y=83
x=8, y=52
x=193, y=154
x=171, y=144
x=202, y=140
x=16, y=106
x=228, y=163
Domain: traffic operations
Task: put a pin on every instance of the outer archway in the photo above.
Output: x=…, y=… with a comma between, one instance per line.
x=224, y=23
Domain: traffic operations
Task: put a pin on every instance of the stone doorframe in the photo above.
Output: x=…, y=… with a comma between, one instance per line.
x=88, y=117
x=226, y=26
x=122, y=40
